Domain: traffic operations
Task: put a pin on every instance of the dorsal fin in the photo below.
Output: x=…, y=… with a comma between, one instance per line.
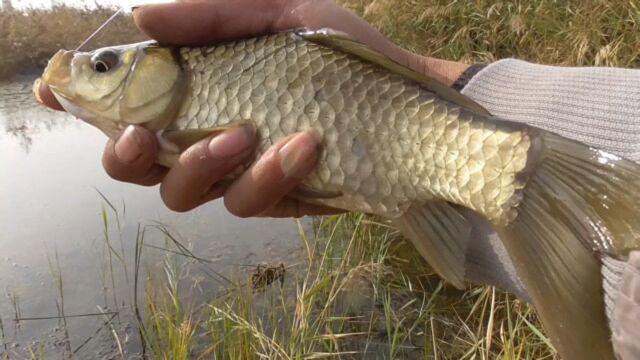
x=343, y=42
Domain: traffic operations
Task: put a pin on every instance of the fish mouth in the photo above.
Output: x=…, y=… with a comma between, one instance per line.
x=57, y=74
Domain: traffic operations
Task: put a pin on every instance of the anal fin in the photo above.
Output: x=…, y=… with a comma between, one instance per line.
x=441, y=235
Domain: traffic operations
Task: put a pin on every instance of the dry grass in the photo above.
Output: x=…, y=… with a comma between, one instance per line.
x=348, y=298
x=590, y=32
x=28, y=39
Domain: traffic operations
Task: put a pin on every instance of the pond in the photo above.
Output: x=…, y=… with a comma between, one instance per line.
x=54, y=254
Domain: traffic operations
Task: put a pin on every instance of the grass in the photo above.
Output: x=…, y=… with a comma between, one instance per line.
x=58, y=280
x=358, y=291
x=590, y=32
x=349, y=298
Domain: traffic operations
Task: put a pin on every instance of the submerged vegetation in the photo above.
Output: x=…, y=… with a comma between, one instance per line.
x=357, y=291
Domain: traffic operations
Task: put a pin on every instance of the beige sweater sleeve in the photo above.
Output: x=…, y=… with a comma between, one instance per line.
x=597, y=106
x=594, y=105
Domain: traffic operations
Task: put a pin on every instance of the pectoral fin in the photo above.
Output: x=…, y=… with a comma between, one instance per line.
x=184, y=138
x=441, y=235
x=174, y=142
x=306, y=193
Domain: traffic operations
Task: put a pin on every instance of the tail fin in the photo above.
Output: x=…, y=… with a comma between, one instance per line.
x=577, y=203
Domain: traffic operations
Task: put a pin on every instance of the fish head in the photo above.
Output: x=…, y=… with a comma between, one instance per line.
x=113, y=87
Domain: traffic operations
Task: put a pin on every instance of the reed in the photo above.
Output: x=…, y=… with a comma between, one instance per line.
x=29, y=38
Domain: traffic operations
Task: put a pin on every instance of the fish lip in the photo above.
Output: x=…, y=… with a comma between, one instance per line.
x=57, y=94
x=57, y=74
x=35, y=90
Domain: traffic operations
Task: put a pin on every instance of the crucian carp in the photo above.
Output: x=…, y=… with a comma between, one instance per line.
x=394, y=143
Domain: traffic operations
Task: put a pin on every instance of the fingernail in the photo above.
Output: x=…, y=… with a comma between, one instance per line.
x=127, y=147
x=298, y=156
x=232, y=142
x=135, y=4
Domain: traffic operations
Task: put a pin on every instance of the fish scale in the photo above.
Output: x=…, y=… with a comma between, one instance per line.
x=368, y=119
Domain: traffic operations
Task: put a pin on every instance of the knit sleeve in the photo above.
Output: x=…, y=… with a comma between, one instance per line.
x=595, y=105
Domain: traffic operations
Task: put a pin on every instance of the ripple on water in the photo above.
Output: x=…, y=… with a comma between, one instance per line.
x=22, y=118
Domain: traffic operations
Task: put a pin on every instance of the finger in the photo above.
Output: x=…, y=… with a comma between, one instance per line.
x=194, y=179
x=290, y=207
x=275, y=174
x=46, y=97
x=206, y=22
x=131, y=157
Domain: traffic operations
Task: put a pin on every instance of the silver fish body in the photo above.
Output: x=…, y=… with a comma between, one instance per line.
x=387, y=142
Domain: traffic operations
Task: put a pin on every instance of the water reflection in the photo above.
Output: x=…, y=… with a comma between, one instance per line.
x=51, y=213
x=22, y=116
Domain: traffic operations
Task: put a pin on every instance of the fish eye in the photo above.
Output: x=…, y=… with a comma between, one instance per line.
x=105, y=61
x=100, y=66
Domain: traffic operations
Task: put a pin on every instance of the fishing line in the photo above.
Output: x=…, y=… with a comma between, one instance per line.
x=109, y=20
x=132, y=4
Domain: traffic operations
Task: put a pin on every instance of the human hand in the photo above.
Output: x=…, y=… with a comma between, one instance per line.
x=263, y=188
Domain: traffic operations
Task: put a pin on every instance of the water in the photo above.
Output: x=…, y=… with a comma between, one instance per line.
x=50, y=174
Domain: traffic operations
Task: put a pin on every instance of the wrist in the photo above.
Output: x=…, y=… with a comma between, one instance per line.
x=444, y=71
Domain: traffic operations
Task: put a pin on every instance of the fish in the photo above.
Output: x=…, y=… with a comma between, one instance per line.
x=394, y=143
